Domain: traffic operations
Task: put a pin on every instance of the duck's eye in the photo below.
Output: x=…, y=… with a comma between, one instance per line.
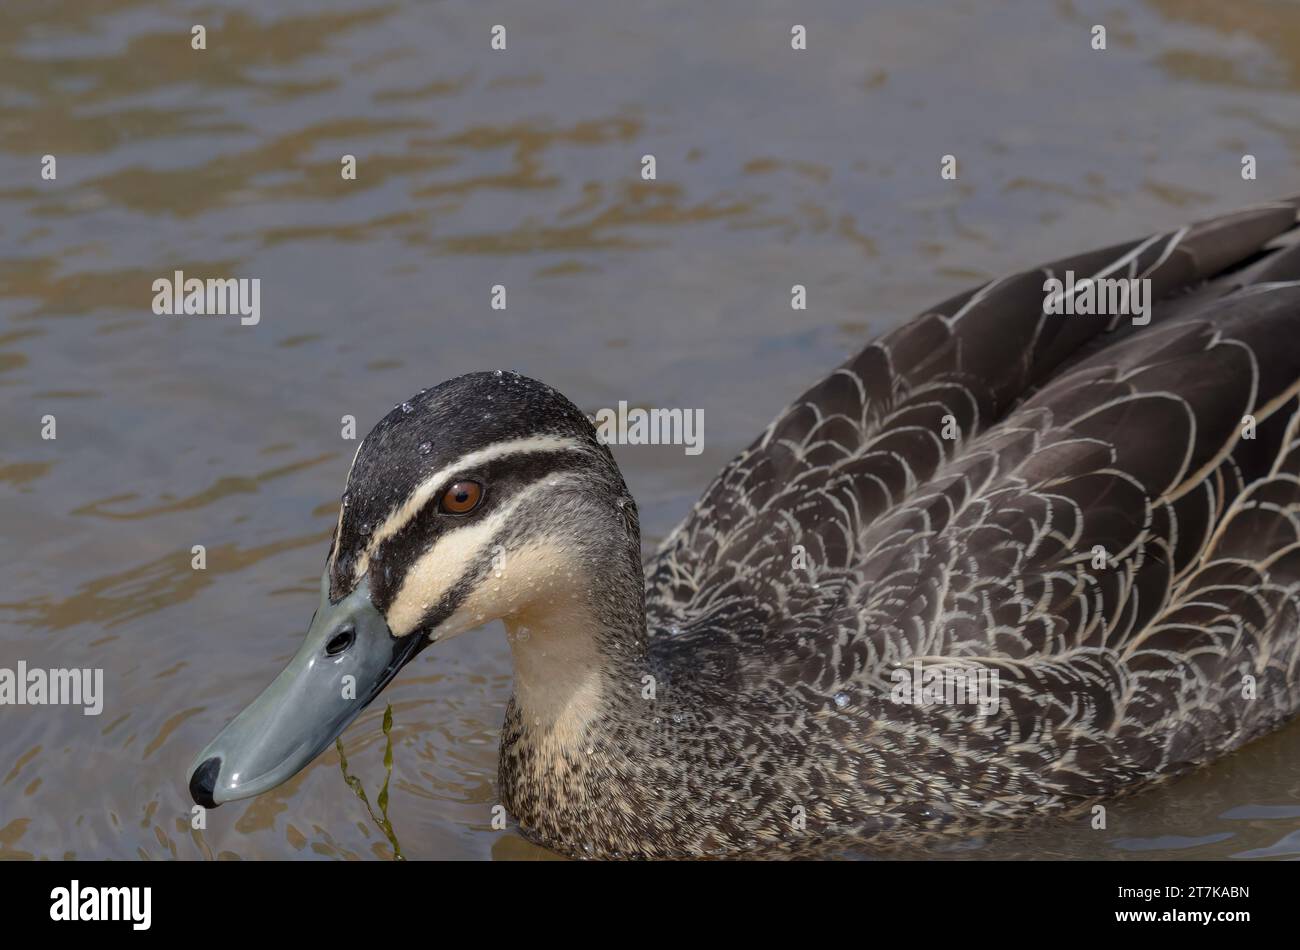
x=462, y=497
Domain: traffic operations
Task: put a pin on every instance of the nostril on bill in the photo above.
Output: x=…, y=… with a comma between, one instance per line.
x=341, y=640
x=204, y=780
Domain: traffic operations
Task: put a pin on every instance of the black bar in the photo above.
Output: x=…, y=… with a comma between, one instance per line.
x=940, y=900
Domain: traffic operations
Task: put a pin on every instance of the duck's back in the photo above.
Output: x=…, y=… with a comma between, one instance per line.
x=1105, y=514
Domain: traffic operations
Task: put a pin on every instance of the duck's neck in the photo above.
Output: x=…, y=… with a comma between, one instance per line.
x=568, y=662
x=609, y=750
x=582, y=633
x=581, y=680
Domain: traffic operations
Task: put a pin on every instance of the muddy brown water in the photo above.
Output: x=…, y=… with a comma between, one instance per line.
x=517, y=168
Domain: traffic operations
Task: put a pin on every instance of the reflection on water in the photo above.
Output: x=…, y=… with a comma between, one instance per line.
x=519, y=168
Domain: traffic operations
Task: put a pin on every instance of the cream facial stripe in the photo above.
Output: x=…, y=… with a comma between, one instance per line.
x=425, y=491
x=438, y=569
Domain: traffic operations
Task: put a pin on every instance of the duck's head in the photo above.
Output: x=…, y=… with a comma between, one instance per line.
x=486, y=497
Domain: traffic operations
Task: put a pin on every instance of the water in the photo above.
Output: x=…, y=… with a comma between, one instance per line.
x=522, y=169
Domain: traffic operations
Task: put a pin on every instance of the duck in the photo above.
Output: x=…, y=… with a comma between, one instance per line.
x=1095, y=518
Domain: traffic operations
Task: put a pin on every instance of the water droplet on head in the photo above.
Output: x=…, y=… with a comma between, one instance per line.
x=426, y=448
x=407, y=407
x=841, y=699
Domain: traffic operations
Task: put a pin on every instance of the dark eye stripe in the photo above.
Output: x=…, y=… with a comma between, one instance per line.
x=504, y=477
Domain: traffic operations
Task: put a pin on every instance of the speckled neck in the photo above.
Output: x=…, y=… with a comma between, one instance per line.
x=581, y=677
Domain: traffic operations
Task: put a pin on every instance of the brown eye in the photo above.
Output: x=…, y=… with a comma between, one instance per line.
x=462, y=497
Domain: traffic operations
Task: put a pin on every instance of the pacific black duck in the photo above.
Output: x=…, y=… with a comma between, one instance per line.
x=1103, y=514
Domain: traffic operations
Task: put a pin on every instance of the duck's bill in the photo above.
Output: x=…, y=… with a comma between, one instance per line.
x=348, y=657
